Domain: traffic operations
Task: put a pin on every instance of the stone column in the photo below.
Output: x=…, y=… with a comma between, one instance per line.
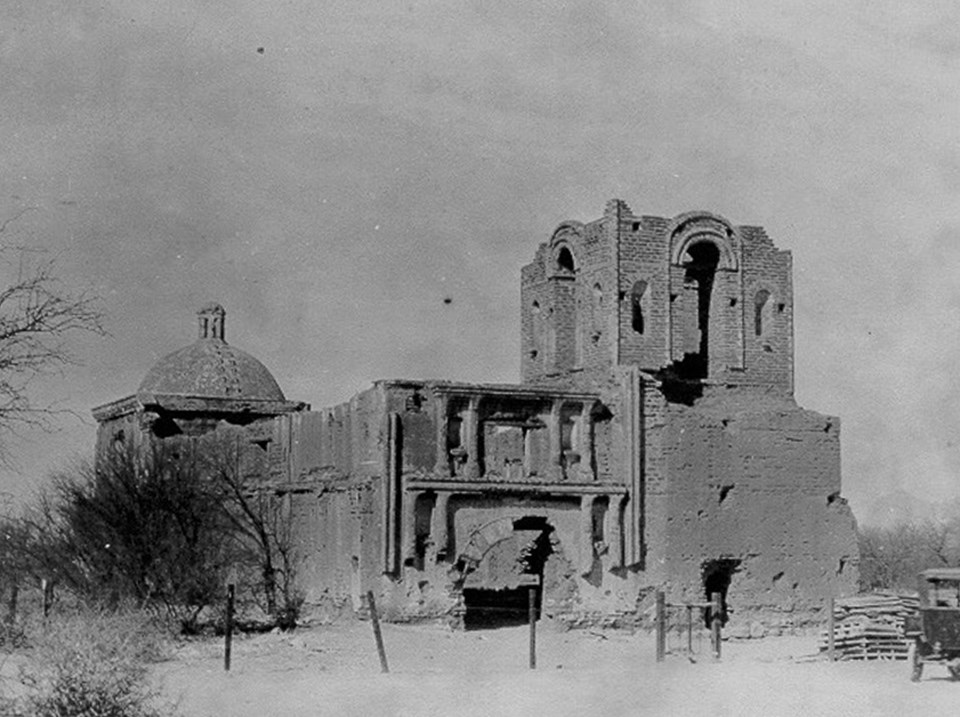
x=438, y=525
x=585, y=443
x=442, y=419
x=472, y=430
x=555, y=468
x=409, y=549
x=586, y=533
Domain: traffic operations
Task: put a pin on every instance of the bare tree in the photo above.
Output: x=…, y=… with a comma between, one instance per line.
x=37, y=316
x=891, y=557
x=256, y=511
x=143, y=525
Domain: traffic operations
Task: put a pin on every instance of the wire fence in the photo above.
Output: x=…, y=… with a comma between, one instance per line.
x=690, y=629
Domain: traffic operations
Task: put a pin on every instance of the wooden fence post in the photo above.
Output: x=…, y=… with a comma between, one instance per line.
x=376, y=632
x=228, y=628
x=532, y=615
x=716, y=620
x=46, y=586
x=831, y=627
x=661, y=625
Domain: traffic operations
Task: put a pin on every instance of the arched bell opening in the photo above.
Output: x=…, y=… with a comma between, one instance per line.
x=700, y=270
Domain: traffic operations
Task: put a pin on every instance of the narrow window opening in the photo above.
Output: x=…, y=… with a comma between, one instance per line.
x=636, y=306
x=759, y=304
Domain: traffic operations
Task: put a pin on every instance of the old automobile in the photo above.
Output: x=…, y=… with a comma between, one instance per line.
x=935, y=632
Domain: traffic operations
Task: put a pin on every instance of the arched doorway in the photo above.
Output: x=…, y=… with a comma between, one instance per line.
x=502, y=562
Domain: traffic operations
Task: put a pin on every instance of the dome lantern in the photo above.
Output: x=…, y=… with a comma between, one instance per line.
x=212, y=319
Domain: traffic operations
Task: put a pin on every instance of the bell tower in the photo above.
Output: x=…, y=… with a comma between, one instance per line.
x=692, y=299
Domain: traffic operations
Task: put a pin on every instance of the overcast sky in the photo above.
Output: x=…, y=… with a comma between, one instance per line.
x=331, y=171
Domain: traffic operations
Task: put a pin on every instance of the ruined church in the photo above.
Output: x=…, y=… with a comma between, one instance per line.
x=653, y=443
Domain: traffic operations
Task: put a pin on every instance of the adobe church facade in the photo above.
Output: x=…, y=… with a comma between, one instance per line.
x=653, y=442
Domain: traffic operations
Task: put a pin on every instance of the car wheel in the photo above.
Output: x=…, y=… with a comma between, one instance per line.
x=916, y=666
x=954, y=672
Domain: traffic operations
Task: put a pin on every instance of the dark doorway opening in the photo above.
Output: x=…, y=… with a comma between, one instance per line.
x=717, y=575
x=488, y=609
x=491, y=607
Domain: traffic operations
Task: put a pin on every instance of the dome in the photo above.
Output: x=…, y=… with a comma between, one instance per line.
x=211, y=367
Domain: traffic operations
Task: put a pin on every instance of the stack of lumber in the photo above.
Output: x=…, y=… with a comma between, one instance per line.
x=870, y=627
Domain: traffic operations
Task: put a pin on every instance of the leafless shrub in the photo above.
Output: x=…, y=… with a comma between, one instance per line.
x=92, y=663
x=140, y=527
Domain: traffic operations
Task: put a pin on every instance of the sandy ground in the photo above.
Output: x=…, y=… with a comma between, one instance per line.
x=334, y=670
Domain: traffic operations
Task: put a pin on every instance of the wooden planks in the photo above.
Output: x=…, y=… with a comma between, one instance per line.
x=870, y=627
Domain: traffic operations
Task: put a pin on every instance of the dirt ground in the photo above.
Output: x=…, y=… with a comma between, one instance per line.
x=334, y=670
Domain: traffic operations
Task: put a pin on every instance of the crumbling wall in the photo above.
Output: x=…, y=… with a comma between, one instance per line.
x=330, y=464
x=644, y=292
x=331, y=532
x=767, y=313
x=756, y=484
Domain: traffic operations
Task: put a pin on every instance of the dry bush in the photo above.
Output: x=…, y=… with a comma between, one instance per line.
x=93, y=663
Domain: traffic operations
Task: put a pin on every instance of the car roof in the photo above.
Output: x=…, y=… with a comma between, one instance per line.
x=941, y=574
